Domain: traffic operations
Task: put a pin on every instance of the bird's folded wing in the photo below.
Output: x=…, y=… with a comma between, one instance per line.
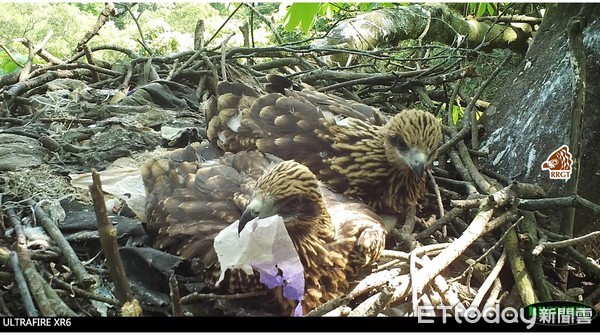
x=354, y=219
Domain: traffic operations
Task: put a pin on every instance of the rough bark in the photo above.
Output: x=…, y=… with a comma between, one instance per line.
x=386, y=28
x=532, y=115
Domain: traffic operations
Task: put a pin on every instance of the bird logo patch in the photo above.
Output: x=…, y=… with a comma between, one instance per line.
x=559, y=164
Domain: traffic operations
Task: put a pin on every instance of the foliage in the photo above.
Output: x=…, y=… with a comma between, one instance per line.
x=305, y=15
x=94, y=8
x=482, y=8
x=163, y=40
x=33, y=21
x=7, y=65
x=457, y=113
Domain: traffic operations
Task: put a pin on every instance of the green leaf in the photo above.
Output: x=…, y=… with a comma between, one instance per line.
x=7, y=65
x=301, y=14
x=366, y=6
x=481, y=10
x=457, y=113
x=472, y=6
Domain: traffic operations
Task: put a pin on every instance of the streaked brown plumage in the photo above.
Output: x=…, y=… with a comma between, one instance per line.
x=189, y=202
x=380, y=165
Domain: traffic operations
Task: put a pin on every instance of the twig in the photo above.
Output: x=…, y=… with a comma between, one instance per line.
x=79, y=292
x=471, y=106
x=579, y=65
x=456, y=137
x=195, y=297
x=102, y=19
x=436, y=189
x=467, y=203
x=460, y=166
x=467, y=187
x=404, y=234
x=175, y=297
x=374, y=304
x=10, y=55
x=25, y=72
x=223, y=62
x=570, y=242
x=266, y=21
x=329, y=306
x=129, y=53
x=480, y=225
x=568, y=201
x=492, y=299
x=223, y=25
x=90, y=59
x=395, y=254
x=46, y=299
x=108, y=240
x=140, y=31
x=22, y=285
x=588, y=265
x=503, y=217
x=523, y=280
x=489, y=281
x=84, y=278
x=370, y=282
x=533, y=261
x=471, y=166
x=501, y=178
x=177, y=70
x=340, y=311
x=444, y=220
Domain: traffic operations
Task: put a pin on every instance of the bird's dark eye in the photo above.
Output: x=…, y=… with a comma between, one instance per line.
x=293, y=202
x=400, y=144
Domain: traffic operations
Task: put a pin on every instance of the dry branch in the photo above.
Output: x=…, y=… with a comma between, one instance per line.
x=108, y=239
x=108, y=10
x=84, y=279
x=22, y=285
x=479, y=226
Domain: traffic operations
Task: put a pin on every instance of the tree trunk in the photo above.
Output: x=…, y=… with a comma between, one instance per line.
x=532, y=115
x=386, y=28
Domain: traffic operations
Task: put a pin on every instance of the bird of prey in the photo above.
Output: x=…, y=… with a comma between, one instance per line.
x=189, y=201
x=382, y=165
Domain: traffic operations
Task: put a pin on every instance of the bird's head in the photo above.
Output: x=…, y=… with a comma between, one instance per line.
x=290, y=190
x=411, y=137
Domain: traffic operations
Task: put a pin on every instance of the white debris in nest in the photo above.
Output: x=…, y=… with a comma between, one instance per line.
x=263, y=245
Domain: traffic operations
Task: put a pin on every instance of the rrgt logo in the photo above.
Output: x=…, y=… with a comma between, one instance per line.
x=559, y=164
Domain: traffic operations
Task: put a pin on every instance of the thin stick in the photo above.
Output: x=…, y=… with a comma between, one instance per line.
x=438, y=196
x=480, y=225
x=84, y=278
x=175, y=297
x=79, y=292
x=570, y=242
x=108, y=240
x=22, y=285
x=569, y=201
x=489, y=281
x=195, y=297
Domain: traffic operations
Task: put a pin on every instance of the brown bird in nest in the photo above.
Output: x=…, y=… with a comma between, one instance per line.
x=189, y=201
x=382, y=165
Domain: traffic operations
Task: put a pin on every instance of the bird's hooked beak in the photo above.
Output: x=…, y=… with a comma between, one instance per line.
x=252, y=211
x=417, y=170
x=416, y=161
